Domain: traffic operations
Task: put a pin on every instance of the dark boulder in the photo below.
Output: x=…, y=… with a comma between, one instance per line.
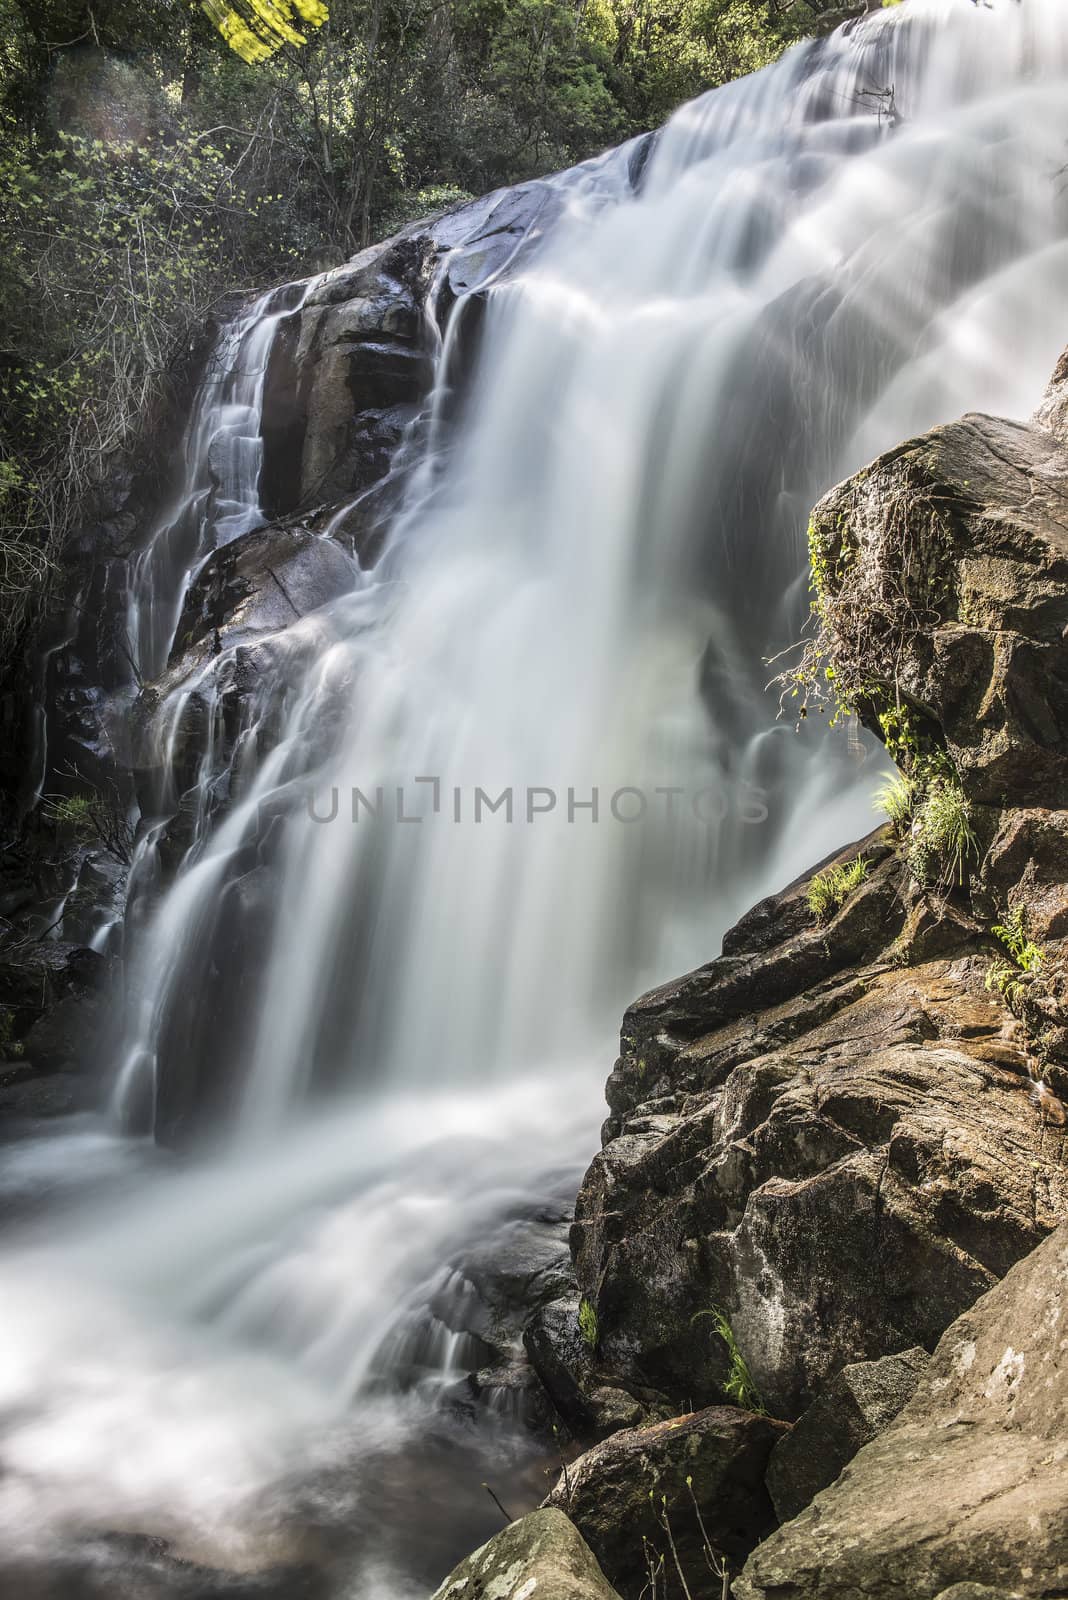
x=860, y=1402
x=670, y=1491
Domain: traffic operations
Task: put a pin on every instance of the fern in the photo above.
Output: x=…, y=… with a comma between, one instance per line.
x=739, y=1384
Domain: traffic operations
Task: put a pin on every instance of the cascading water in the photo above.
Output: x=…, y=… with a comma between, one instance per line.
x=854, y=245
x=218, y=497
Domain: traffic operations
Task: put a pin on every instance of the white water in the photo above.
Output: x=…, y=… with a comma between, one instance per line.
x=621, y=523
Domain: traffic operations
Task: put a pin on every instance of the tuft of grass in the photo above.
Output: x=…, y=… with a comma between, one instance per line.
x=831, y=888
x=739, y=1385
x=587, y=1321
x=943, y=839
x=897, y=797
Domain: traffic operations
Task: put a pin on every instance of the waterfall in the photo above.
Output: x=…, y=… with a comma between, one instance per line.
x=398, y=1004
x=578, y=611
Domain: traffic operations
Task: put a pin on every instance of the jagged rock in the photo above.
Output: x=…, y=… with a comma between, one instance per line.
x=542, y=1554
x=860, y=1402
x=968, y=1485
x=707, y=1467
x=840, y=1150
x=945, y=564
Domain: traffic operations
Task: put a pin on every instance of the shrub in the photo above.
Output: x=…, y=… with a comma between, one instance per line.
x=897, y=797
x=1010, y=979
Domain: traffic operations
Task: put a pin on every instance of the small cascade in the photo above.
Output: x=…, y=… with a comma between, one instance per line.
x=218, y=497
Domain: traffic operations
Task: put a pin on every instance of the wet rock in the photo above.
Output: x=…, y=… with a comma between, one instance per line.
x=946, y=567
x=260, y=583
x=860, y=1402
x=137, y=1564
x=28, y=1096
x=542, y=1554
x=967, y=1486
x=587, y=1399
x=54, y=998
x=707, y=1467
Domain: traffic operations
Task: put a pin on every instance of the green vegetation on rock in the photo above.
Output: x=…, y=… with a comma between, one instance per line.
x=830, y=889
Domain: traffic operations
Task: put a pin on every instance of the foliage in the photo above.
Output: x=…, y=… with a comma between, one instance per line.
x=11, y=1049
x=1027, y=957
x=71, y=814
x=587, y=1321
x=739, y=1385
x=943, y=838
x=1012, y=933
x=92, y=815
x=830, y=889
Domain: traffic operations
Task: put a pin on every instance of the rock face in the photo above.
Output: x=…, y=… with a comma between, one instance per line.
x=541, y=1555
x=946, y=568
x=968, y=1485
x=862, y=1400
x=669, y=1491
x=840, y=1151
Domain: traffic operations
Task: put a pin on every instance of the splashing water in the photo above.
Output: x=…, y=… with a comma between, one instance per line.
x=580, y=594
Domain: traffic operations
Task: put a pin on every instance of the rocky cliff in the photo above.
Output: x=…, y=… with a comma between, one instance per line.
x=829, y=1144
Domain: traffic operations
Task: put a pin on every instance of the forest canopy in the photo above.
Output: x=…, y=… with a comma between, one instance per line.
x=157, y=153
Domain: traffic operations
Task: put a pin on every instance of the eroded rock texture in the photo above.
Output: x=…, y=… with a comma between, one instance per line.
x=946, y=567
x=840, y=1151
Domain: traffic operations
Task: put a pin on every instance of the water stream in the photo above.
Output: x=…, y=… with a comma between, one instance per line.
x=254, y=1352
